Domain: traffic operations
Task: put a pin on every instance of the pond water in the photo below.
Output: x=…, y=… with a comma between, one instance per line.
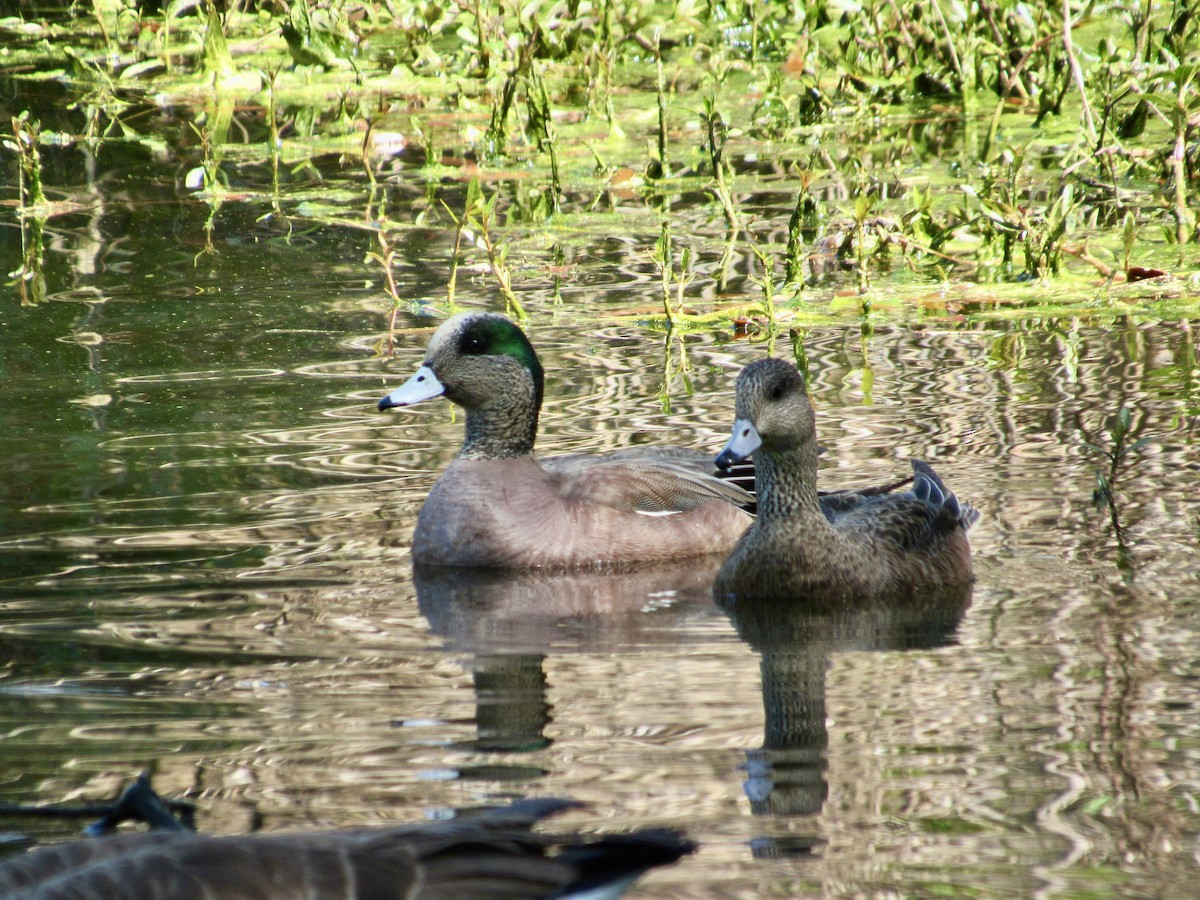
x=204, y=567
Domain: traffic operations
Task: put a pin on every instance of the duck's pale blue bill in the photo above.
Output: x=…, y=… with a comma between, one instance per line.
x=424, y=385
x=741, y=443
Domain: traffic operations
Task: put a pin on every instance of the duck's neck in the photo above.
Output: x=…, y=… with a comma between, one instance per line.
x=500, y=431
x=786, y=485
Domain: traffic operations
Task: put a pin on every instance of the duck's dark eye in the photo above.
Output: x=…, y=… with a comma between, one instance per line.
x=473, y=345
x=777, y=392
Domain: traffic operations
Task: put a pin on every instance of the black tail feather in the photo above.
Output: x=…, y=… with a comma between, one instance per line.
x=928, y=488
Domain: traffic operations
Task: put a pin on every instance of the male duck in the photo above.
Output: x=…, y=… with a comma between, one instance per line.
x=496, y=505
x=852, y=544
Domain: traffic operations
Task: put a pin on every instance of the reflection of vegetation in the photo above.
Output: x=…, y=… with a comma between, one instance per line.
x=673, y=282
x=1117, y=454
x=675, y=365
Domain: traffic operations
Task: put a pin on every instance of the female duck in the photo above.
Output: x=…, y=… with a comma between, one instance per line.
x=496, y=505
x=898, y=543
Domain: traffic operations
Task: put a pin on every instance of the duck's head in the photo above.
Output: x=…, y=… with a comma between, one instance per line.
x=772, y=412
x=477, y=360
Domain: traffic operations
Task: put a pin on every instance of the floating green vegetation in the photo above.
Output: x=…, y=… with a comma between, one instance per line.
x=812, y=161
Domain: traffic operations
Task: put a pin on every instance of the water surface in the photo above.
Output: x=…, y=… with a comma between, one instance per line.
x=204, y=568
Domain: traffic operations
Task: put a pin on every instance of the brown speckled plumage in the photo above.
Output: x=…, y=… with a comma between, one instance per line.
x=888, y=543
x=497, y=505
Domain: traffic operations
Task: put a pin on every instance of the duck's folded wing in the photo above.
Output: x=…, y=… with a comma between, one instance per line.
x=838, y=503
x=919, y=517
x=900, y=519
x=648, y=485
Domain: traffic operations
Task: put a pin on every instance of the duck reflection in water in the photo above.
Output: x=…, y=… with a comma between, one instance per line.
x=795, y=638
x=509, y=622
x=877, y=569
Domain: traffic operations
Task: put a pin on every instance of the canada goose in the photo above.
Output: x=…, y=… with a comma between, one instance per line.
x=492, y=856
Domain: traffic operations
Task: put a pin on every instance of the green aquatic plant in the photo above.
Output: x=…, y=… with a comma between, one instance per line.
x=717, y=132
x=1117, y=455
x=30, y=278
x=765, y=282
x=474, y=226
x=318, y=36
x=26, y=133
x=385, y=256
x=456, y=251
x=861, y=216
x=207, y=179
x=771, y=117
x=894, y=107
x=1184, y=125
x=1007, y=217
x=274, y=140
x=794, y=254
x=803, y=223
x=215, y=58
x=600, y=65
x=664, y=163
x=496, y=138
x=796, y=338
x=541, y=124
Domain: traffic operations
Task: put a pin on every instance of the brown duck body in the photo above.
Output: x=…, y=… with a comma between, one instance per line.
x=896, y=543
x=566, y=512
x=497, y=505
